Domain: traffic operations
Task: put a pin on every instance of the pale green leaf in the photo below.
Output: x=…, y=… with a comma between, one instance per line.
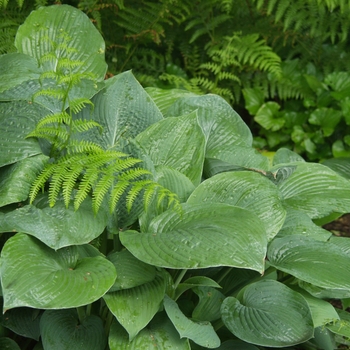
x=178, y=143
x=17, y=179
x=48, y=281
x=135, y=307
x=201, y=333
x=131, y=271
x=221, y=125
x=159, y=334
x=245, y=189
x=17, y=120
x=320, y=263
x=58, y=226
x=339, y=165
x=122, y=108
x=268, y=313
x=316, y=190
x=204, y=235
x=8, y=344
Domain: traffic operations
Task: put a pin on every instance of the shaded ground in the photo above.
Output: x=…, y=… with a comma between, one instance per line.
x=340, y=227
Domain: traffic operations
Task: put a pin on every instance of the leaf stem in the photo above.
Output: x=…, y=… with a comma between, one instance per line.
x=108, y=322
x=179, y=278
x=81, y=313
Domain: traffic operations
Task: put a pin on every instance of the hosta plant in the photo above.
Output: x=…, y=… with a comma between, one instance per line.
x=145, y=219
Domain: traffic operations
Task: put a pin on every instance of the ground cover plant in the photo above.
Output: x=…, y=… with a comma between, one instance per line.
x=137, y=218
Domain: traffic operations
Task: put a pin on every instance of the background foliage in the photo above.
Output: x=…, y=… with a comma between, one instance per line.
x=284, y=51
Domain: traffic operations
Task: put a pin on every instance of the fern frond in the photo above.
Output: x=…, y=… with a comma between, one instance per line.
x=55, y=93
x=40, y=181
x=52, y=134
x=69, y=182
x=100, y=190
x=135, y=191
x=57, y=179
x=57, y=118
x=78, y=104
x=76, y=146
x=117, y=192
x=90, y=177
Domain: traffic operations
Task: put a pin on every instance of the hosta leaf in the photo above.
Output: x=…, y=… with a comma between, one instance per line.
x=253, y=98
x=247, y=157
x=122, y=108
x=208, y=307
x=202, y=236
x=23, y=321
x=201, y=333
x=320, y=263
x=340, y=325
x=178, y=143
x=268, y=313
x=8, y=344
x=17, y=120
x=248, y=190
x=57, y=227
x=131, y=271
x=339, y=165
x=316, y=190
x=164, y=98
x=159, y=334
x=326, y=118
x=284, y=155
x=135, y=307
x=17, y=69
x=52, y=279
x=324, y=293
x=321, y=311
x=59, y=25
x=299, y=223
x=269, y=116
x=16, y=179
x=196, y=281
x=61, y=329
x=221, y=125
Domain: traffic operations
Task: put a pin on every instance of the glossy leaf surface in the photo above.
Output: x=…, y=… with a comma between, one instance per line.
x=52, y=279
x=203, y=235
x=268, y=313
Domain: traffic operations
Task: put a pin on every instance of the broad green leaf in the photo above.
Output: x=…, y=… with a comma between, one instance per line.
x=17, y=120
x=196, y=281
x=208, y=307
x=178, y=143
x=205, y=235
x=316, y=190
x=135, y=307
x=18, y=69
x=343, y=243
x=160, y=334
x=340, y=326
x=8, y=344
x=122, y=108
x=236, y=345
x=324, y=339
x=320, y=263
x=52, y=279
x=247, y=157
x=58, y=226
x=339, y=165
x=299, y=223
x=173, y=180
x=48, y=29
x=269, y=117
x=248, y=190
x=16, y=179
x=201, y=333
x=326, y=118
x=131, y=271
x=61, y=329
x=268, y=313
x=221, y=125
x=23, y=321
x=164, y=98
x=324, y=293
x=284, y=155
x=321, y=311
x=253, y=98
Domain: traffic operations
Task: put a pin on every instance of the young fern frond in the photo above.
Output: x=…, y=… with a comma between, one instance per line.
x=56, y=184
x=78, y=104
x=40, y=181
x=135, y=191
x=100, y=190
x=58, y=118
x=69, y=182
